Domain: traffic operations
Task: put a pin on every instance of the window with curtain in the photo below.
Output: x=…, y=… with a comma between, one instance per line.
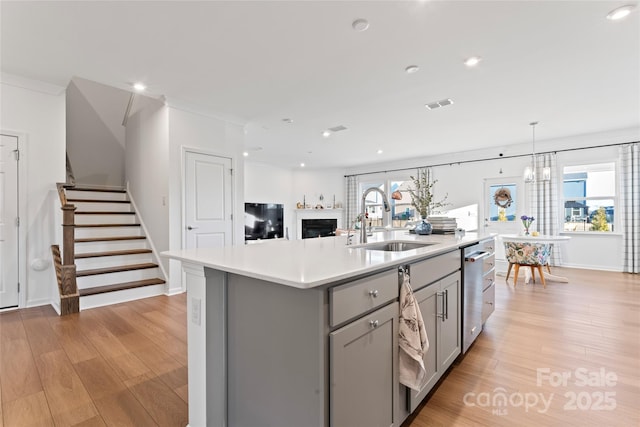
x=589, y=193
x=401, y=210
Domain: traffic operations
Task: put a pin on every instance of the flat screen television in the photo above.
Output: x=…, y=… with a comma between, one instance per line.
x=263, y=221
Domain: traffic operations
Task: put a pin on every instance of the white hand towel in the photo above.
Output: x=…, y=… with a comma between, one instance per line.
x=413, y=339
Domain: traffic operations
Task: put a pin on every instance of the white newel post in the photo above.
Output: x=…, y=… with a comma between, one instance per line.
x=206, y=344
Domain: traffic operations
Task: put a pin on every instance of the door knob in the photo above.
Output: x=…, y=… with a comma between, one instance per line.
x=191, y=228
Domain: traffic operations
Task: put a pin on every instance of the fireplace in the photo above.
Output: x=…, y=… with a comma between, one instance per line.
x=311, y=222
x=319, y=227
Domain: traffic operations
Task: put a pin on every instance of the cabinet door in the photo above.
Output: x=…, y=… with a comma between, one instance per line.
x=428, y=302
x=364, y=389
x=449, y=345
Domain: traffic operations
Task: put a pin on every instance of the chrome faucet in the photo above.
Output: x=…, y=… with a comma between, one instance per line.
x=385, y=201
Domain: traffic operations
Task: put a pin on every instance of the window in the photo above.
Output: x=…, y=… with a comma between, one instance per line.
x=401, y=210
x=589, y=197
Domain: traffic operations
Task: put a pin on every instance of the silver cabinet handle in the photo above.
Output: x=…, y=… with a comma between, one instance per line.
x=373, y=293
x=446, y=304
x=441, y=315
x=191, y=228
x=373, y=323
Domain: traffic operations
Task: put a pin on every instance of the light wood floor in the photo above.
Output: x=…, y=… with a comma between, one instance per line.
x=123, y=365
x=584, y=327
x=126, y=364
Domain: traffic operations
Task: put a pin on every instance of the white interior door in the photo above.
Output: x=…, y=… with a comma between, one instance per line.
x=208, y=201
x=503, y=205
x=9, y=242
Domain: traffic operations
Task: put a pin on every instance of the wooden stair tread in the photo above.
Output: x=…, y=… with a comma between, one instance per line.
x=117, y=269
x=119, y=287
x=98, y=201
x=97, y=189
x=104, y=213
x=105, y=225
x=113, y=253
x=108, y=239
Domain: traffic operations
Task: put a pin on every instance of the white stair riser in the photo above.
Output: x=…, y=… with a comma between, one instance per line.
x=114, y=278
x=96, y=195
x=82, y=233
x=105, y=219
x=116, y=245
x=111, y=261
x=101, y=207
x=99, y=300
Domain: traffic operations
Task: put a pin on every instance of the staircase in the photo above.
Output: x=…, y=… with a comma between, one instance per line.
x=114, y=262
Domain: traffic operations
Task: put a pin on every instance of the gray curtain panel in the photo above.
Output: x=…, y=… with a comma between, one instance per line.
x=544, y=201
x=351, y=205
x=629, y=208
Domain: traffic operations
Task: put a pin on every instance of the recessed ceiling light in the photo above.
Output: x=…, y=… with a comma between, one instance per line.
x=360, y=24
x=620, y=12
x=287, y=120
x=245, y=153
x=140, y=87
x=301, y=165
x=411, y=69
x=438, y=104
x=379, y=151
x=472, y=61
x=326, y=133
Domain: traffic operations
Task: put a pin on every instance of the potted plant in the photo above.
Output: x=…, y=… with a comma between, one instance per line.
x=422, y=199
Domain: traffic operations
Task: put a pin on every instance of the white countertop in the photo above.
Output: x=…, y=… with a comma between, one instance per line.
x=309, y=263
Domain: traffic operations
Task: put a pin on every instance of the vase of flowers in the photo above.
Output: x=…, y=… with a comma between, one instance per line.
x=422, y=199
x=526, y=221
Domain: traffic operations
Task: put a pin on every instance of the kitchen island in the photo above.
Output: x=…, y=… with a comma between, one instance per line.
x=304, y=332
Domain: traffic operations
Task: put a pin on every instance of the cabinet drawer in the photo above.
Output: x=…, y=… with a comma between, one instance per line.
x=432, y=269
x=488, y=302
x=357, y=297
x=488, y=263
x=489, y=245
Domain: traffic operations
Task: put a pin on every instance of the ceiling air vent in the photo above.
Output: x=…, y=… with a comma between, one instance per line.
x=337, y=128
x=438, y=104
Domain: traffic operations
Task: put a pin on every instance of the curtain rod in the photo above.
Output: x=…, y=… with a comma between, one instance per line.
x=491, y=158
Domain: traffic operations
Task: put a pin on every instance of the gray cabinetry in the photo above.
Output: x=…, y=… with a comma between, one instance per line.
x=440, y=307
x=363, y=363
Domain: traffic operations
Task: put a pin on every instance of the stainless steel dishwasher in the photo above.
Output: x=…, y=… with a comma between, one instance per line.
x=472, y=281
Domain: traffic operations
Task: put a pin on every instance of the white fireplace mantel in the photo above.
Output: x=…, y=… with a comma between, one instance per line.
x=301, y=214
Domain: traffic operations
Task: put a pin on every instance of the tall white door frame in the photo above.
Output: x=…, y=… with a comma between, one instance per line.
x=21, y=183
x=518, y=207
x=230, y=200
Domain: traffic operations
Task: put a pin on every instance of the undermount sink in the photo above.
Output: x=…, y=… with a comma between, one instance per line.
x=396, y=246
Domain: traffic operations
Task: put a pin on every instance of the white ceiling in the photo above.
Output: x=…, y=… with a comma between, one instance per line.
x=558, y=62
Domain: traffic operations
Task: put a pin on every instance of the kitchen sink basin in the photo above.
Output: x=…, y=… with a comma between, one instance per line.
x=396, y=246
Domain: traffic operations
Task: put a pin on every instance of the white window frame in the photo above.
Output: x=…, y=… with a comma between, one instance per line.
x=384, y=178
x=563, y=198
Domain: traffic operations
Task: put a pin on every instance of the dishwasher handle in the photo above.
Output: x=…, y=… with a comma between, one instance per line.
x=475, y=256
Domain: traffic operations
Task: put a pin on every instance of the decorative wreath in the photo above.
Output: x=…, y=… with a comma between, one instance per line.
x=502, y=197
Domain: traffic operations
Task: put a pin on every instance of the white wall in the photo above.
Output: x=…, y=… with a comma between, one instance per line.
x=95, y=135
x=38, y=111
x=593, y=250
x=147, y=163
x=211, y=135
x=464, y=184
x=270, y=184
